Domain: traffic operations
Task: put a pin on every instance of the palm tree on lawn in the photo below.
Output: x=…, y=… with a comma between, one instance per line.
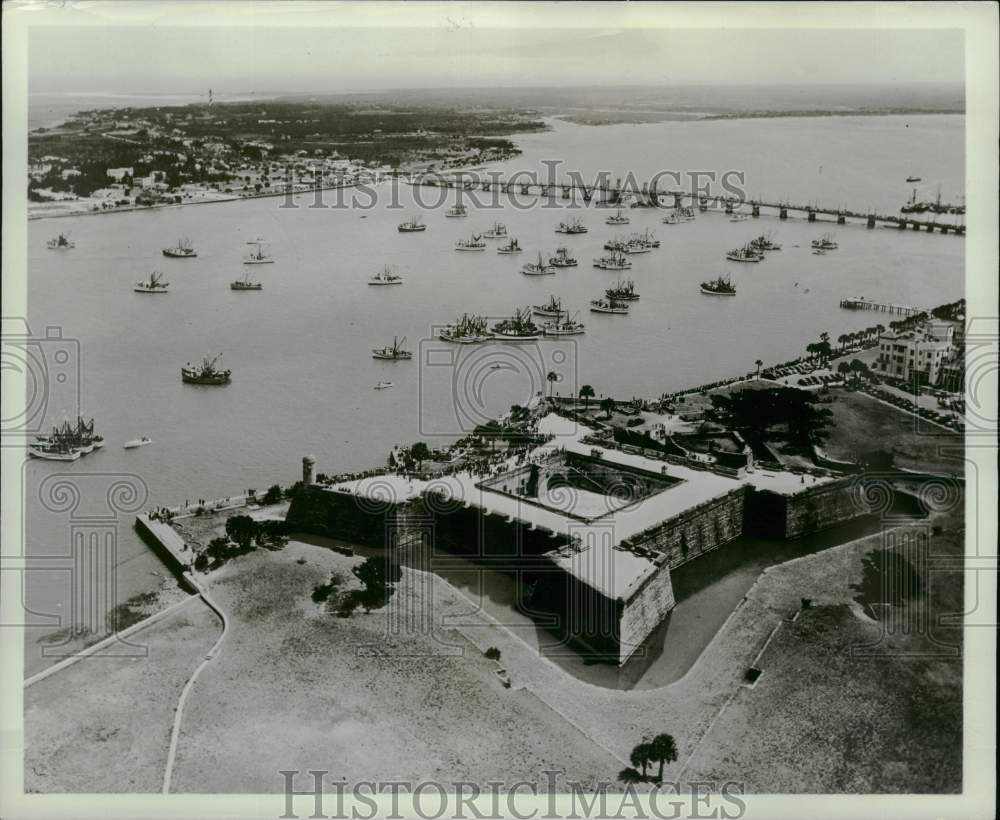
x=663, y=750
x=586, y=393
x=608, y=406
x=759, y=364
x=842, y=338
x=552, y=377
x=642, y=754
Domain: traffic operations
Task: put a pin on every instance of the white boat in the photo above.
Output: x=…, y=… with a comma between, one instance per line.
x=614, y=262
x=382, y=386
x=457, y=210
x=393, y=352
x=498, y=231
x=387, y=276
x=562, y=259
x=617, y=219
x=137, y=442
x=54, y=452
x=510, y=247
x=538, y=268
x=566, y=327
x=245, y=284
x=637, y=247
x=258, y=257
x=552, y=309
x=738, y=218
x=154, y=284
x=609, y=306
x=571, y=227
x=672, y=219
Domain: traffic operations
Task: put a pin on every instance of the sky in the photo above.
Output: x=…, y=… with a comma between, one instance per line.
x=442, y=47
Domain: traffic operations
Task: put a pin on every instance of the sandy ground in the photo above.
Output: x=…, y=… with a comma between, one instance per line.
x=103, y=724
x=385, y=696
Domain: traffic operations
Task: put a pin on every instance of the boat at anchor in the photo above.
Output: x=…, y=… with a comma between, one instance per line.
x=413, y=225
x=609, y=306
x=518, y=328
x=722, y=286
x=468, y=330
x=245, y=283
x=259, y=256
x=137, y=442
x=183, y=250
x=562, y=259
x=458, y=209
x=825, y=242
x=387, y=276
x=61, y=243
x=154, y=284
x=614, y=262
x=393, y=352
x=572, y=227
x=623, y=292
x=553, y=308
x=476, y=243
x=498, y=231
x=618, y=218
x=744, y=254
x=564, y=327
x=207, y=373
x=538, y=268
x=511, y=246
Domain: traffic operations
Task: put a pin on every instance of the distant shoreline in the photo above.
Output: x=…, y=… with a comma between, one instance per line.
x=611, y=117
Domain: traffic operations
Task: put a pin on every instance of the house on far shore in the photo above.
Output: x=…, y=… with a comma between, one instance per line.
x=118, y=174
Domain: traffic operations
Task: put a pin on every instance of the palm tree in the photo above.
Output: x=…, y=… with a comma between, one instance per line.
x=608, y=405
x=663, y=750
x=811, y=349
x=759, y=364
x=842, y=338
x=642, y=754
x=586, y=393
x=552, y=377
x=880, y=329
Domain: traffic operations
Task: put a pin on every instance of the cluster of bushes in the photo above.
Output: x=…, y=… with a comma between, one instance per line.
x=379, y=576
x=243, y=535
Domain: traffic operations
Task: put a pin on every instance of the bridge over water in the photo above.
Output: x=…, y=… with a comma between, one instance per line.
x=649, y=196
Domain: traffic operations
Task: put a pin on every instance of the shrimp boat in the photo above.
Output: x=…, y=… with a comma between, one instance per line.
x=387, y=276
x=617, y=219
x=207, y=373
x=764, y=243
x=617, y=244
x=68, y=442
x=538, y=268
x=552, y=309
x=573, y=226
x=672, y=219
x=518, y=328
x=562, y=259
x=184, y=250
x=412, y=226
x=745, y=254
x=636, y=245
x=245, y=284
x=154, y=284
x=61, y=243
x=565, y=327
x=686, y=214
x=54, y=452
x=498, y=231
x=914, y=179
x=393, y=352
x=458, y=209
x=137, y=442
x=647, y=238
x=510, y=247
x=468, y=330
x=722, y=286
x=259, y=256
x=614, y=262
x=825, y=243
x=474, y=244
x=623, y=292
x=382, y=386
x=609, y=306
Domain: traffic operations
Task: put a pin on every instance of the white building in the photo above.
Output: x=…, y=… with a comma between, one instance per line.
x=916, y=354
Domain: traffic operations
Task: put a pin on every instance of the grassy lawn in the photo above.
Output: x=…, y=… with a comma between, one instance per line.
x=862, y=424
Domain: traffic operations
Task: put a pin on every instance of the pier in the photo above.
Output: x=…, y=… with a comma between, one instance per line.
x=859, y=303
x=648, y=196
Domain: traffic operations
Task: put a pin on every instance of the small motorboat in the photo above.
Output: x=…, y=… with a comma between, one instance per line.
x=137, y=442
x=382, y=386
